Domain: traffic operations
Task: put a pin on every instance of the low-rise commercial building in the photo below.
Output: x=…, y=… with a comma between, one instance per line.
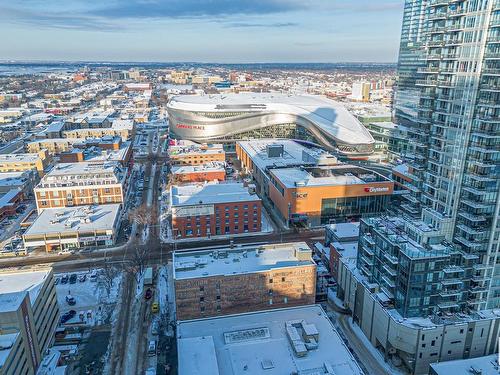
x=28, y=318
x=74, y=227
x=231, y=281
x=317, y=195
x=75, y=184
x=298, y=340
x=208, y=209
x=259, y=156
x=213, y=171
x=39, y=161
x=190, y=153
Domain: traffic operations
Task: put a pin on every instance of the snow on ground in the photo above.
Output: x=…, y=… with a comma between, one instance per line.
x=266, y=223
x=140, y=286
x=162, y=290
x=145, y=234
x=376, y=354
x=92, y=298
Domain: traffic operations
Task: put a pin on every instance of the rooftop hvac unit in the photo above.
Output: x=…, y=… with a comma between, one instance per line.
x=275, y=151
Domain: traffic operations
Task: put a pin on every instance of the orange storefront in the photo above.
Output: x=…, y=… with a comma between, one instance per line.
x=326, y=203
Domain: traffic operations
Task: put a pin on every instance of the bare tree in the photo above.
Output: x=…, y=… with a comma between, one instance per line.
x=144, y=215
x=108, y=275
x=137, y=264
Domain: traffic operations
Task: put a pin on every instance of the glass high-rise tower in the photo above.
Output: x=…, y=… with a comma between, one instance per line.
x=448, y=95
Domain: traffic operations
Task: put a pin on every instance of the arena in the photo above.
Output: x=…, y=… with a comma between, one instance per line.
x=232, y=117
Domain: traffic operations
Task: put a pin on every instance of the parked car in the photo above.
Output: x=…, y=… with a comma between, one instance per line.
x=155, y=307
x=73, y=278
x=152, y=348
x=56, y=280
x=64, y=279
x=93, y=276
x=70, y=300
x=82, y=277
x=67, y=316
x=148, y=294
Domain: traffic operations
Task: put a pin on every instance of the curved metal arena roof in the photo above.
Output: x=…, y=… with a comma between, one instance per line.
x=224, y=116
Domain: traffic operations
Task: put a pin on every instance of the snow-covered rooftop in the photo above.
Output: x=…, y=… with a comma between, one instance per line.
x=487, y=365
x=15, y=285
x=267, y=343
x=344, y=231
x=329, y=116
x=240, y=260
x=338, y=175
x=210, y=193
x=74, y=219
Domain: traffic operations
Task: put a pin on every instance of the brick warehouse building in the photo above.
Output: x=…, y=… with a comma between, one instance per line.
x=203, y=210
x=232, y=281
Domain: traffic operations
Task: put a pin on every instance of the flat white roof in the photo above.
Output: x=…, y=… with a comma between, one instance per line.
x=15, y=285
x=256, y=149
x=13, y=178
x=290, y=176
x=82, y=169
x=74, y=219
x=345, y=230
x=122, y=124
x=343, y=174
x=184, y=147
x=209, y=167
x=210, y=193
x=259, y=344
x=485, y=364
x=242, y=260
x=19, y=158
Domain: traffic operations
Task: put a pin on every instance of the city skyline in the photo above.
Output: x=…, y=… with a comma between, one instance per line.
x=252, y=31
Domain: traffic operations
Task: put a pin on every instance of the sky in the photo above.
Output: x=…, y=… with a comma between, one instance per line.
x=224, y=31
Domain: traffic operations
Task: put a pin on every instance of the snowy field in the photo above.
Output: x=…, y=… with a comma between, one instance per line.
x=95, y=300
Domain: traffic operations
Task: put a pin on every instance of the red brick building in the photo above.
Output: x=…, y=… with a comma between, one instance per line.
x=214, y=171
x=239, y=280
x=208, y=209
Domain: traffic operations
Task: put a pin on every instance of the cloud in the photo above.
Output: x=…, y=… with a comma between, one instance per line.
x=259, y=25
x=46, y=19
x=194, y=8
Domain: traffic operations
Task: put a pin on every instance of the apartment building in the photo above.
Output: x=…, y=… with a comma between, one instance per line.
x=29, y=315
x=232, y=281
x=121, y=128
x=60, y=229
x=185, y=152
x=420, y=341
x=39, y=161
x=54, y=146
x=447, y=98
x=204, y=210
x=76, y=184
